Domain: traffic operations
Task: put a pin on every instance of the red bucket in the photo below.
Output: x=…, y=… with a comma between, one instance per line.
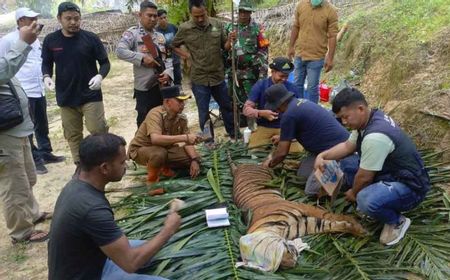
x=324, y=92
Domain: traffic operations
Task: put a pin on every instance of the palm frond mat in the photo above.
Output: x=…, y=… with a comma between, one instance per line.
x=197, y=252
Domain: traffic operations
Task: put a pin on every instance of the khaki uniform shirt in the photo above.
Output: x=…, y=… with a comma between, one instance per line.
x=316, y=26
x=205, y=45
x=9, y=65
x=131, y=48
x=158, y=121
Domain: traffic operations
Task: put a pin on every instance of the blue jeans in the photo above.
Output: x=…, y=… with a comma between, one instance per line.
x=385, y=201
x=220, y=94
x=310, y=71
x=111, y=271
x=177, y=76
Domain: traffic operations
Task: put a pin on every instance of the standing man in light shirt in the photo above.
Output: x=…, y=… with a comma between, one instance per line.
x=151, y=69
x=30, y=77
x=17, y=171
x=313, y=43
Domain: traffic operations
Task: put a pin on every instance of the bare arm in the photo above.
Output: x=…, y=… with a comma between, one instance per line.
x=279, y=154
x=294, y=36
x=330, y=54
x=166, y=140
x=250, y=110
x=131, y=259
x=194, y=168
x=181, y=53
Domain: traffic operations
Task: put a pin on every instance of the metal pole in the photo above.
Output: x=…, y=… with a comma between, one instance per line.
x=233, y=73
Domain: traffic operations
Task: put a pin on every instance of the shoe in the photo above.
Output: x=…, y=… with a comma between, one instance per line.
x=167, y=172
x=51, y=158
x=392, y=234
x=34, y=237
x=41, y=169
x=152, y=174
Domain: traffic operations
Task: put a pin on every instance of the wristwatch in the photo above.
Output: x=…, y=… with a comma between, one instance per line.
x=197, y=159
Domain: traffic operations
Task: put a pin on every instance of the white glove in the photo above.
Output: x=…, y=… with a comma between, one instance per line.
x=96, y=82
x=49, y=84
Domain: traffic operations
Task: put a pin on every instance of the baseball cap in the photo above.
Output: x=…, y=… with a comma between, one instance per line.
x=282, y=64
x=276, y=95
x=246, y=5
x=173, y=92
x=68, y=6
x=25, y=12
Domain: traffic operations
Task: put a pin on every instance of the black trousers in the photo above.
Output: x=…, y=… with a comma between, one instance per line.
x=145, y=101
x=38, y=113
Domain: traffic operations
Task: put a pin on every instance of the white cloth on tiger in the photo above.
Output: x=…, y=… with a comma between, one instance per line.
x=264, y=250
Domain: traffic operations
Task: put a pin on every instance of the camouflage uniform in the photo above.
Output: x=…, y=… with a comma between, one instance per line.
x=251, y=50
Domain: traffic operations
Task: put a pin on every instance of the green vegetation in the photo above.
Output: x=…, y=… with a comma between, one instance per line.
x=418, y=20
x=197, y=252
x=396, y=32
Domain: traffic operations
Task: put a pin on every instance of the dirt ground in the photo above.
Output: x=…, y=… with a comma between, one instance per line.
x=26, y=262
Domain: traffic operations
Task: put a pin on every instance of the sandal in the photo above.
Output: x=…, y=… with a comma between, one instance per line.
x=34, y=237
x=44, y=216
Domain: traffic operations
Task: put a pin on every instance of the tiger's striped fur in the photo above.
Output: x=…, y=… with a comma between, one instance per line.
x=271, y=212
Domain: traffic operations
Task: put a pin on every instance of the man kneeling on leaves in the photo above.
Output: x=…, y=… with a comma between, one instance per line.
x=158, y=143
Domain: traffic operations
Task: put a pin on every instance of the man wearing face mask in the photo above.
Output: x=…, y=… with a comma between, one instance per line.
x=75, y=53
x=146, y=49
x=313, y=43
x=251, y=54
x=268, y=130
x=205, y=40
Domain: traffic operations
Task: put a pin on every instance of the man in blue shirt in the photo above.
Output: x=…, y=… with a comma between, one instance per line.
x=268, y=121
x=169, y=30
x=313, y=127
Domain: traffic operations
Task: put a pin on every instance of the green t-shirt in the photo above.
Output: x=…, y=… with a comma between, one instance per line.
x=375, y=147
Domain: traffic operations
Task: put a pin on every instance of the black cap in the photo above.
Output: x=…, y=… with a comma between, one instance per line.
x=68, y=6
x=276, y=95
x=282, y=64
x=161, y=12
x=173, y=92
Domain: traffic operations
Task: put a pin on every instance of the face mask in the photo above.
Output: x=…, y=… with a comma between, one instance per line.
x=316, y=3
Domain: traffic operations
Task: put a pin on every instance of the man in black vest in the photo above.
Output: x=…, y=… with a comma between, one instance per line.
x=391, y=177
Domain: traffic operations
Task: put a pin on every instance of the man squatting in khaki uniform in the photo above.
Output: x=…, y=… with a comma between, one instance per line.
x=157, y=141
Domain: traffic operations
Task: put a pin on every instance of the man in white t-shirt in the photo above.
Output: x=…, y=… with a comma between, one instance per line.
x=30, y=77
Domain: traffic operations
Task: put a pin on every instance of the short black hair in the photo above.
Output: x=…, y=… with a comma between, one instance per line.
x=162, y=12
x=98, y=148
x=147, y=5
x=196, y=3
x=346, y=97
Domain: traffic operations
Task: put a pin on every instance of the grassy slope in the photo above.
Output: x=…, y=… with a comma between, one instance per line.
x=399, y=55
